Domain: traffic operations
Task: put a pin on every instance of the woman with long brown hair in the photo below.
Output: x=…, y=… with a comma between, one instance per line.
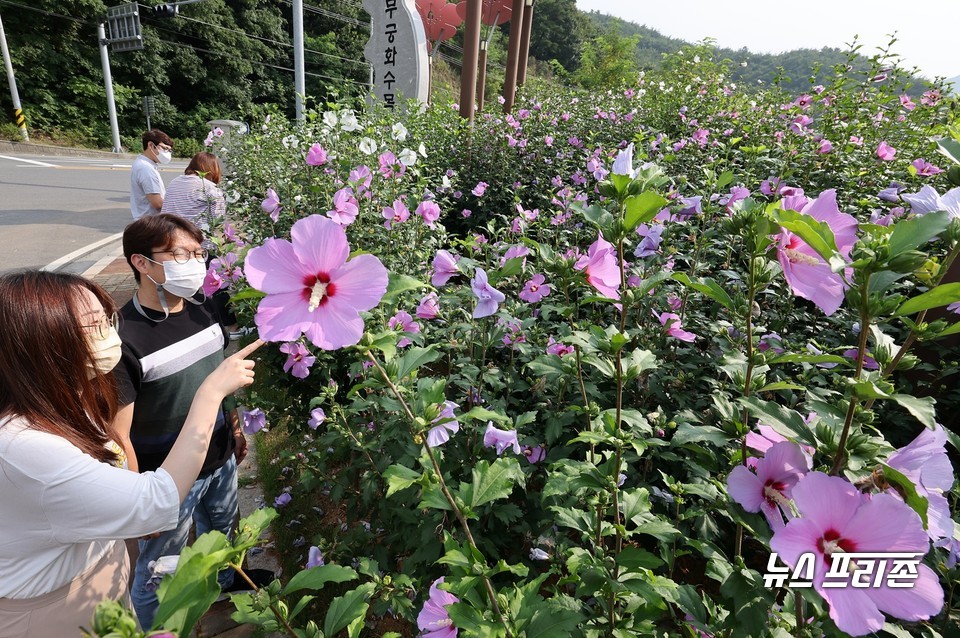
x=65, y=497
x=196, y=194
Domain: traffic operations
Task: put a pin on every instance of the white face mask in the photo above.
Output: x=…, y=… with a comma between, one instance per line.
x=182, y=280
x=105, y=352
x=164, y=157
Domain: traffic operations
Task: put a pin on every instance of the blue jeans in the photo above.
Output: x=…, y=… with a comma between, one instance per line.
x=212, y=503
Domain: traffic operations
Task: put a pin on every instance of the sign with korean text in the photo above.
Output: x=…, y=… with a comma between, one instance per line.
x=397, y=51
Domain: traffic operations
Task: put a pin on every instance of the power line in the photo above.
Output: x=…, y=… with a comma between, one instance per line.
x=268, y=40
x=272, y=66
x=48, y=13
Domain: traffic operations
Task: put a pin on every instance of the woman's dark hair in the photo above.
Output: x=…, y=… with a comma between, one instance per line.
x=45, y=359
x=152, y=233
x=206, y=163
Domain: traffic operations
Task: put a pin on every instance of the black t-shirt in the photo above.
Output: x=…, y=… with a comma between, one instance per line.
x=163, y=364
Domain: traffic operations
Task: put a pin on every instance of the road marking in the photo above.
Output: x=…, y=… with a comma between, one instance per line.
x=105, y=261
x=56, y=265
x=21, y=159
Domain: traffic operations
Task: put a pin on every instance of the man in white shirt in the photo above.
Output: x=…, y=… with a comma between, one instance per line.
x=146, y=186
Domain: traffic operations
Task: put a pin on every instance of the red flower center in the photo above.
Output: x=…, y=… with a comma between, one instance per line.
x=318, y=289
x=831, y=543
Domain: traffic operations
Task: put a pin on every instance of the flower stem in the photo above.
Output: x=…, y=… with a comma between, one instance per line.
x=273, y=608
x=491, y=594
x=840, y=457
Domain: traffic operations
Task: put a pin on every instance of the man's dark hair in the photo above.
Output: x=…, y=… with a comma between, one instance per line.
x=156, y=136
x=153, y=233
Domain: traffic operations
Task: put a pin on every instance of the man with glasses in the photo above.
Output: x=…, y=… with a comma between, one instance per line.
x=171, y=341
x=146, y=186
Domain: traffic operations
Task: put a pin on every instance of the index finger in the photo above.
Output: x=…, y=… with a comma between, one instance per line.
x=250, y=349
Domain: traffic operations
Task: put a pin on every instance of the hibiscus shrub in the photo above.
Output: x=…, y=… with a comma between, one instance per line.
x=579, y=369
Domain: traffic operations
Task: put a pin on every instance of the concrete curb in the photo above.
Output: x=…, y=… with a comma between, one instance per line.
x=32, y=148
x=80, y=252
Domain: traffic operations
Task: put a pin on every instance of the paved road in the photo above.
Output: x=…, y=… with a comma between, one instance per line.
x=52, y=207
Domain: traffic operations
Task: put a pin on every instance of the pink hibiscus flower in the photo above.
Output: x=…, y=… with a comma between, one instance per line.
x=298, y=360
x=603, y=270
x=808, y=273
x=535, y=289
x=345, y=209
x=311, y=287
x=672, y=323
x=837, y=518
x=768, y=490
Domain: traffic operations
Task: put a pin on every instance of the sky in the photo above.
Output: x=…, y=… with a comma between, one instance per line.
x=927, y=32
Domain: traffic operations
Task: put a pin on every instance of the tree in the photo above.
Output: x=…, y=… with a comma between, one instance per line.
x=608, y=60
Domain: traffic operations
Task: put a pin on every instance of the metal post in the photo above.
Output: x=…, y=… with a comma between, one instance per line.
x=299, y=84
x=525, y=43
x=8, y=64
x=471, y=55
x=513, y=55
x=482, y=76
x=108, y=84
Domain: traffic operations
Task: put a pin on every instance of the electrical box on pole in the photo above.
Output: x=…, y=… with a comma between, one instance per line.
x=149, y=108
x=123, y=24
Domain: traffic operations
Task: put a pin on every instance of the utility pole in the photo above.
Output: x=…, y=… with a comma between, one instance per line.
x=8, y=64
x=108, y=84
x=299, y=83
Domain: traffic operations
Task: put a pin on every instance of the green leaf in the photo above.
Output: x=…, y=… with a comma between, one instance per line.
x=414, y=358
x=781, y=385
x=688, y=433
x=638, y=362
x=914, y=232
x=725, y=178
x=249, y=293
x=550, y=621
x=512, y=267
x=942, y=295
x=386, y=342
x=398, y=284
x=636, y=558
x=597, y=216
x=708, y=287
x=809, y=358
x=922, y=408
x=492, y=482
x=641, y=209
x=186, y=597
x=345, y=609
x=482, y=414
x=949, y=148
x=787, y=422
x=908, y=491
x=469, y=621
x=818, y=235
x=399, y=478
x=316, y=577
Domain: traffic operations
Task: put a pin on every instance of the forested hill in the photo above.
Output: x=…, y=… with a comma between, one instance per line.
x=749, y=68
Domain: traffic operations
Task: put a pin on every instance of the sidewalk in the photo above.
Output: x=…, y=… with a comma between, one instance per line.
x=107, y=267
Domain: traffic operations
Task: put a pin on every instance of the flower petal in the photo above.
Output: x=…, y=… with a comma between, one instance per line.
x=886, y=524
x=320, y=243
x=274, y=268
x=853, y=611
x=745, y=488
x=334, y=326
x=282, y=317
x=919, y=602
x=361, y=282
